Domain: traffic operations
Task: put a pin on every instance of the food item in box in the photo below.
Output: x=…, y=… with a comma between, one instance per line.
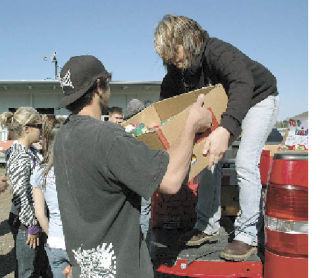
x=138, y=129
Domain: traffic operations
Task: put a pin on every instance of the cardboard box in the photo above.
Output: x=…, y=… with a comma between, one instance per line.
x=176, y=110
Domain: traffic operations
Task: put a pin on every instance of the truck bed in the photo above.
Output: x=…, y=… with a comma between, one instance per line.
x=173, y=260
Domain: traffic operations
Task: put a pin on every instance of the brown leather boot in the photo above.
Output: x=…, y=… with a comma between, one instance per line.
x=196, y=238
x=238, y=251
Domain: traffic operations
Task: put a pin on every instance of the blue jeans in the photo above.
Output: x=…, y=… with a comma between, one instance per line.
x=31, y=262
x=208, y=207
x=26, y=256
x=256, y=126
x=59, y=260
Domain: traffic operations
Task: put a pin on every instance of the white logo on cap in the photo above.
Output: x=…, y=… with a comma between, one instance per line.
x=66, y=80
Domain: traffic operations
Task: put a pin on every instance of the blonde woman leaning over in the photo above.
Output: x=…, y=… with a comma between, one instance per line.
x=21, y=158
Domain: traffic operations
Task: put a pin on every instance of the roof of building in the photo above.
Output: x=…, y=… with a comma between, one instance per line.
x=54, y=83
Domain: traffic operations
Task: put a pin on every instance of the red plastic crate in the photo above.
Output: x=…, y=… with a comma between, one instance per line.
x=175, y=211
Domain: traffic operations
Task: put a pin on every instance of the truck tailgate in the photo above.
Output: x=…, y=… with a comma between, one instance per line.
x=173, y=260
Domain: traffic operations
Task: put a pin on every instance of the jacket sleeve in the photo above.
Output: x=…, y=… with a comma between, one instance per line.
x=230, y=69
x=20, y=171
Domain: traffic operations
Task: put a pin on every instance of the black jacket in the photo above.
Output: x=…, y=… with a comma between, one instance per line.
x=246, y=82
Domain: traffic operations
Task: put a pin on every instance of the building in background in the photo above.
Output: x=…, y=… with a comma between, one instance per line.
x=45, y=95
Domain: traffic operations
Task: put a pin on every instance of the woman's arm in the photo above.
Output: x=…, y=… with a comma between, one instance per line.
x=19, y=170
x=39, y=207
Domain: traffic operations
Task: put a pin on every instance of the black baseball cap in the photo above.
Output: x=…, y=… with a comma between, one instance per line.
x=78, y=75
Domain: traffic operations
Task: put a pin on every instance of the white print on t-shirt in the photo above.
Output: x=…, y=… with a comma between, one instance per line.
x=97, y=262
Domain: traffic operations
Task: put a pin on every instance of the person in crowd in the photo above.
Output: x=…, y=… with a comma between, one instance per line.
x=102, y=172
x=195, y=60
x=135, y=106
x=115, y=115
x=3, y=183
x=21, y=159
x=45, y=196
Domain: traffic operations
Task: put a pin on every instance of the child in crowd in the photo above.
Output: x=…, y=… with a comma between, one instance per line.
x=135, y=106
x=44, y=193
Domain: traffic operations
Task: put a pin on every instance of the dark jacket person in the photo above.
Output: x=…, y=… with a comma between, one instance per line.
x=193, y=61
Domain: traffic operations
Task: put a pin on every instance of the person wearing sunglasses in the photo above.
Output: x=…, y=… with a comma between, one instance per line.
x=21, y=159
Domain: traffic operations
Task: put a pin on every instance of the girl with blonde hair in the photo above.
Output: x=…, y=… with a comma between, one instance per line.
x=21, y=158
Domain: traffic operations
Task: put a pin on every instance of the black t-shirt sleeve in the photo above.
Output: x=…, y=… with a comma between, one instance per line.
x=136, y=166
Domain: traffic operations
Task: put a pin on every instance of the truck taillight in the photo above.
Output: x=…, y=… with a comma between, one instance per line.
x=287, y=244
x=286, y=220
x=286, y=209
x=288, y=202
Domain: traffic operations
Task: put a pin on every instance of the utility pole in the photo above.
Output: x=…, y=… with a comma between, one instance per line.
x=53, y=59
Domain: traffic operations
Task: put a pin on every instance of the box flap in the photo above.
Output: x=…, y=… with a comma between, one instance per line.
x=148, y=116
x=174, y=105
x=152, y=140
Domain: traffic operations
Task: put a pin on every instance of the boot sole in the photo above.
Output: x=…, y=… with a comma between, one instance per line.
x=239, y=258
x=203, y=240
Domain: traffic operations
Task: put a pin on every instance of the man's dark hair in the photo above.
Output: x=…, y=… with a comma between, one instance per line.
x=115, y=109
x=86, y=99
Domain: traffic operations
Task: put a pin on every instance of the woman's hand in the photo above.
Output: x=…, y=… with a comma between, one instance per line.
x=216, y=144
x=33, y=240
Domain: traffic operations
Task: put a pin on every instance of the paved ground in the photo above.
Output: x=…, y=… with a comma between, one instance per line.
x=6, y=241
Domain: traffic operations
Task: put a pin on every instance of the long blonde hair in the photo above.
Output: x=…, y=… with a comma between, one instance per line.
x=51, y=125
x=16, y=121
x=178, y=30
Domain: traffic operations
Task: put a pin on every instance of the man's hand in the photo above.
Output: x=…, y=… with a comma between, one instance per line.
x=3, y=183
x=216, y=144
x=33, y=240
x=199, y=117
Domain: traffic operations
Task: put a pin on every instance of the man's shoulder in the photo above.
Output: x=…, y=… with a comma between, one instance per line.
x=89, y=130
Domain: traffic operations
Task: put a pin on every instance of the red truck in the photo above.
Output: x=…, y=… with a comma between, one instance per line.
x=284, y=249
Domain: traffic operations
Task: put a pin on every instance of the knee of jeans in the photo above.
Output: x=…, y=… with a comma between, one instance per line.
x=246, y=169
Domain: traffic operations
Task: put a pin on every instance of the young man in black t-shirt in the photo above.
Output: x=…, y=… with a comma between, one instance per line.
x=102, y=172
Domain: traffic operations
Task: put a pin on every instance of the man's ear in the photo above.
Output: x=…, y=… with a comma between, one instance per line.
x=98, y=90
